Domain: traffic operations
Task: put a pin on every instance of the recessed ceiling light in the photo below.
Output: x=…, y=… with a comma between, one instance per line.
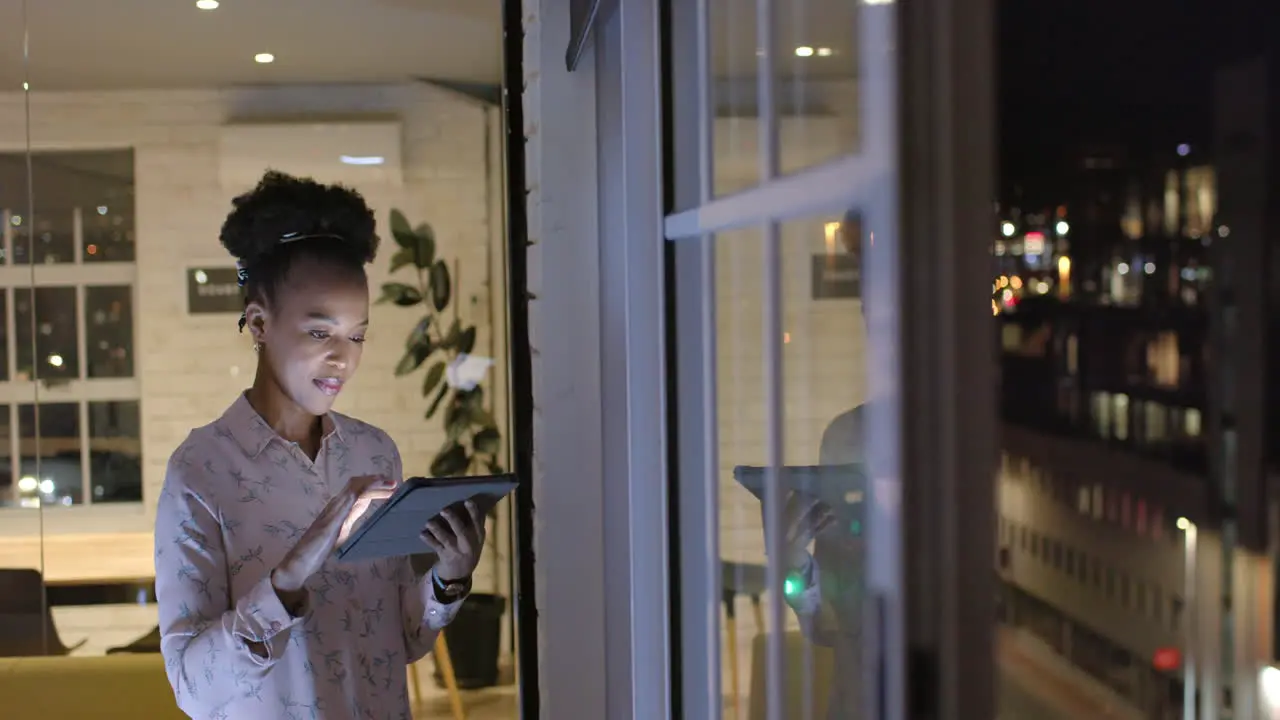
x=804, y=51
x=264, y=58
x=824, y=52
x=207, y=4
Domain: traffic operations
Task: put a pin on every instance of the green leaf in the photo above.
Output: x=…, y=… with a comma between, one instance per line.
x=441, y=289
x=403, y=257
x=400, y=294
x=467, y=341
x=400, y=226
x=424, y=246
x=414, y=357
x=435, y=403
x=482, y=418
x=473, y=399
x=434, y=374
x=451, y=460
x=486, y=441
x=419, y=332
x=456, y=421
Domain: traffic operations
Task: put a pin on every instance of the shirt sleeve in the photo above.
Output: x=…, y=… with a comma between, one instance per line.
x=809, y=600
x=204, y=636
x=811, y=609
x=422, y=615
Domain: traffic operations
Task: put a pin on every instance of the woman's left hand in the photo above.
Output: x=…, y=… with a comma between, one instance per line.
x=456, y=536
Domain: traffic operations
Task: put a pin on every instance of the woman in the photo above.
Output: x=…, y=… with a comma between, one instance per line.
x=257, y=619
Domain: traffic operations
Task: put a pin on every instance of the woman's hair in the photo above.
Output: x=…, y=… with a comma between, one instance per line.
x=286, y=219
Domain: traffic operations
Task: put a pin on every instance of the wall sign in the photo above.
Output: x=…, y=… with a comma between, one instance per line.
x=836, y=276
x=213, y=291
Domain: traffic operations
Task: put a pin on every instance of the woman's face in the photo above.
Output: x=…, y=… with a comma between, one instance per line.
x=312, y=334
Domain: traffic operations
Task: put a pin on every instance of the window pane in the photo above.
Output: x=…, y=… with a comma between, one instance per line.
x=825, y=398
x=9, y=495
x=54, y=325
x=54, y=238
x=4, y=342
x=50, y=469
x=109, y=331
x=106, y=203
x=115, y=451
x=814, y=60
x=91, y=189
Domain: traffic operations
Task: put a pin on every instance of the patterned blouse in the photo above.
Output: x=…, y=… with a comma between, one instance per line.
x=236, y=497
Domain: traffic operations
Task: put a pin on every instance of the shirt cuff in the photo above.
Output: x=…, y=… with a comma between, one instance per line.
x=437, y=614
x=809, y=599
x=261, y=617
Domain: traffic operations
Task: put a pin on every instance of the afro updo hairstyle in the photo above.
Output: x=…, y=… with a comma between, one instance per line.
x=286, y=219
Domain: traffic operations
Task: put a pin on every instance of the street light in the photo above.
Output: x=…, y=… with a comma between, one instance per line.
x=1189, y=533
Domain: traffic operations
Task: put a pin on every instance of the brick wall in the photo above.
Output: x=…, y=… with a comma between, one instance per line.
x=191, y=367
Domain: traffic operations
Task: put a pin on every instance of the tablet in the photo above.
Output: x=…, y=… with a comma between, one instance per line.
x=841, y=487
x=394, y=529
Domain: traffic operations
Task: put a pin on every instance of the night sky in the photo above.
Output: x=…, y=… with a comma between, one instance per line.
x=1132, y=72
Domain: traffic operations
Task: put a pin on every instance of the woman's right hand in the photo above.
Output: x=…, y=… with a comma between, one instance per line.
x=803, y=519
x=330, y=527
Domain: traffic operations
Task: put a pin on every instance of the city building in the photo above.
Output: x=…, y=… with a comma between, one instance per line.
x=1136, y=403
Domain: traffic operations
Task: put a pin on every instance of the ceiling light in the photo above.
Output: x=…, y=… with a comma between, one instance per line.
x=207, y=4
x=824, y=52
x=264, y=58
x=804, y=51
x=363, y=159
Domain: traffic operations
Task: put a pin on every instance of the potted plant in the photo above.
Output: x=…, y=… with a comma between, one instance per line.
x=438, y=349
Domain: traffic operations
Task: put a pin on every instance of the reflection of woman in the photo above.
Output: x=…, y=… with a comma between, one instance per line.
x=825, y=589
x=256, y=618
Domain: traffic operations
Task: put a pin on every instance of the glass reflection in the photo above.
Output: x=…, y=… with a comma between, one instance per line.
x=814, y=64
x=824, y=391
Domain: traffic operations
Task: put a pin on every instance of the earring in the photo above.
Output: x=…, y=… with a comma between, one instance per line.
x=257, y=347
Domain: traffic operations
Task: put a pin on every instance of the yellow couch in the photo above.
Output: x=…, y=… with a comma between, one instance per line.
x=110, y=687
x=818, y=682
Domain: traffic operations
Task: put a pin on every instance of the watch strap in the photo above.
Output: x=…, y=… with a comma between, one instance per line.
x=449, y=591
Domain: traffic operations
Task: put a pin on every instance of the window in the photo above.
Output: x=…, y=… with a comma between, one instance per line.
x=1102, y=414
x=69, y=391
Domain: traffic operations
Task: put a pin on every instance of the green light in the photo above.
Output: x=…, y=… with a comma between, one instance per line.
x=792, y=587
x=856, y=527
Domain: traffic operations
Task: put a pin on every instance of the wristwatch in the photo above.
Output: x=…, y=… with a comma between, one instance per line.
x=449, y=591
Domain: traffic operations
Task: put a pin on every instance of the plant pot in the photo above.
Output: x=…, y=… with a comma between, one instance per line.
x=474, y=638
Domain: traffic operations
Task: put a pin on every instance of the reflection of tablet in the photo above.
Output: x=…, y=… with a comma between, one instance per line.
x=842, y=487
x=394, y=528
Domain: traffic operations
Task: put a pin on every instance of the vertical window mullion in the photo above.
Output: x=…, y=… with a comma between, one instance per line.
x=77, y=235
x=82, y=346
x=772, y=338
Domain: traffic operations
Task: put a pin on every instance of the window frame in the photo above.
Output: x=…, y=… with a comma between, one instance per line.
x=82, y=390
x=942, y=166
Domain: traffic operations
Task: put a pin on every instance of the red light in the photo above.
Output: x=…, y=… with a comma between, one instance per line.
x=1167, y=658
x=1033, y=236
